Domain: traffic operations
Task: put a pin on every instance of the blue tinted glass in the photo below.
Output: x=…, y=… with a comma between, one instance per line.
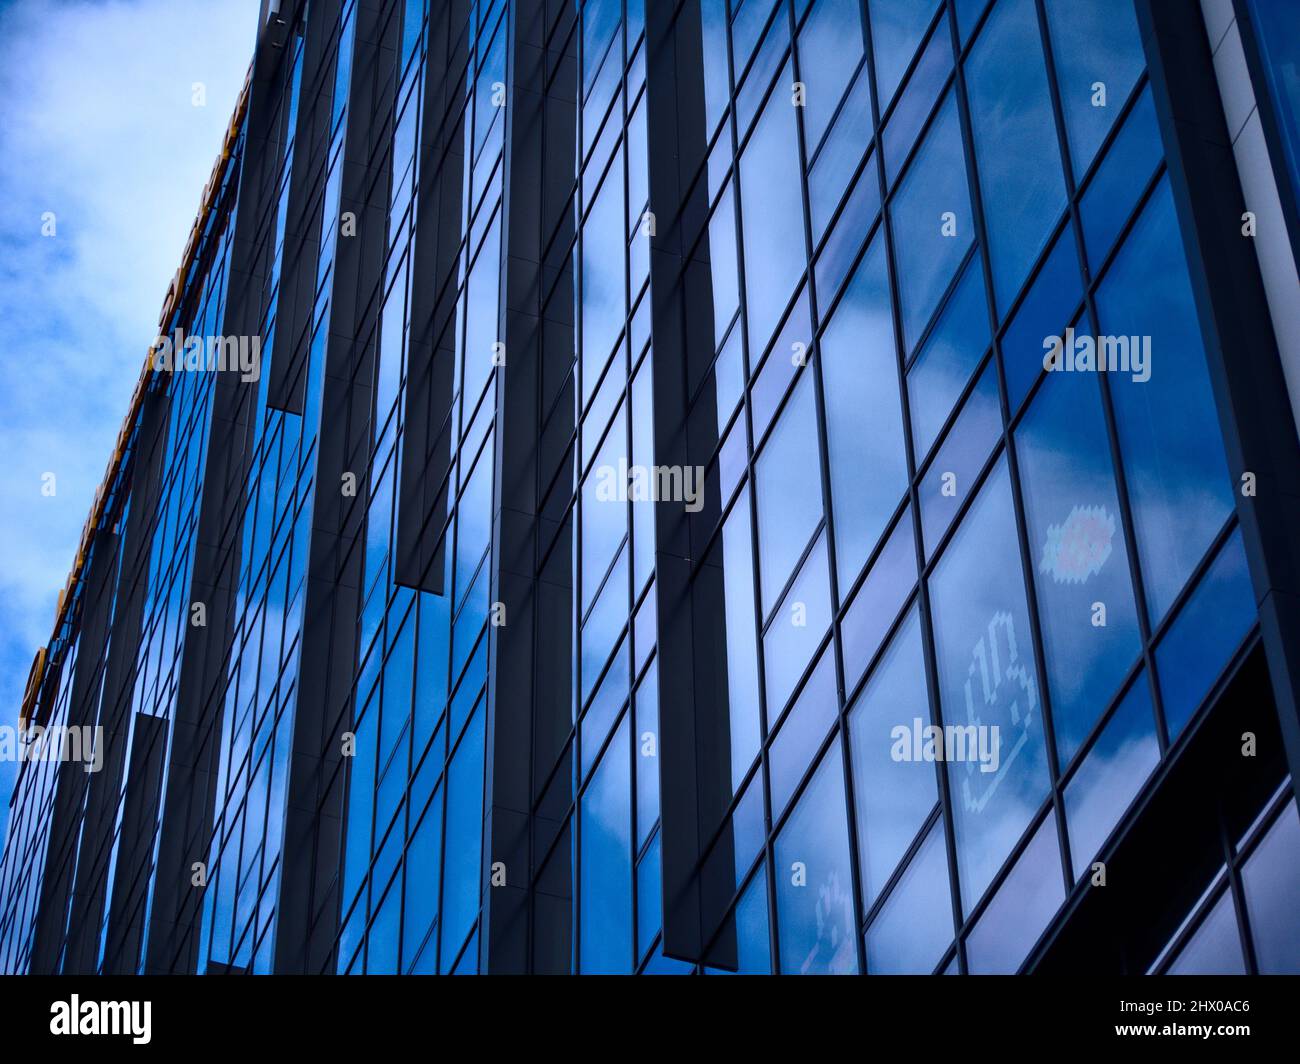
x=423, y=870
x=1076, y=540
x=1271, y=881
x=913, y=929
x=797, y=627
x=649, y=898
x=801, y=733
x=759, y=77
x=841, y=249
x=950, y=355
x=987, y=678
x=874, y=607
x=892, y=795
x=789, y=491
x=753, y=951
x=778, y=368
x=1274, y=24
x=647, y=751
x=717, y=90
x=814, y=887
x=839, y=156
x=931, y=222
x=1018, y=914
x=722, y=256
x=830, y=48
x=1046, y=311
x=896, y=30
x=605, y=934
x=1111, y=774
x=603, y=297
x=1168, y=429
x=1098, y=59
x=968, y=13
x=917, y=100
x=864, y=419
x=1215, y=948
x=1205, y=634
x=951, y=476
x=742, y=643
x=1113, y=192
x=1015, y=143
x=772, y=209
x=464, y=846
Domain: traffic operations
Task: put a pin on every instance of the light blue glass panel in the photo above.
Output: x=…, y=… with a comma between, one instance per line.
x=605, y=932
x=1169, y=431
x=1271, y=881
x=814, y=886
x=864, y=419
x=911, y=932
x=1015, y=143
x=932, y=222
x=988, y=680
x=1076, y=540
x=1112, y=773
x=892, y=794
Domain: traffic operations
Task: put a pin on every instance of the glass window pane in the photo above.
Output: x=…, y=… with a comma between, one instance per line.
x=1215, y=949
x=987, y=680
x=789, y=491
x=950, y=355
x=878, y=600
x=772, y=209
x=910, y=934
x=1271, y=879
x=1026, y=901
x=814, y=886
x=896, y=30
x=605, y=935
x=864, y=419
x=1168, y=429
x=1047, y=309
x=742, y=643
x=931, y=222
x=1113, y=192
x=1015, y=143
x=1200, y=642
x=917, y=100
x=892, y=795
x=797, y=628
x=800, y=735
x=951, y=476
x=1081, y=569
x=1112, y=773
x=1098, y=59
x=830, y=48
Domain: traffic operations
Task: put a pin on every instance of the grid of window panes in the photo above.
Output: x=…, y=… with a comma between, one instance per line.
x=259, y=689
x=413, y=837
x=1244, y=922
x=170, y=532
x=616, y=698
x=897, y=231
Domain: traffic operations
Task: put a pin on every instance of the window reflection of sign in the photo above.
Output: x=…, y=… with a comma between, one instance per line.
x=833, y=951
x=1006, y=699
x=1078, y=547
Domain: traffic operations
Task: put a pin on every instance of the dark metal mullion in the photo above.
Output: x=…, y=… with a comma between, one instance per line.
x=1108, y=410
x=923, y=591
x=1013, y=472
x=1237, y=891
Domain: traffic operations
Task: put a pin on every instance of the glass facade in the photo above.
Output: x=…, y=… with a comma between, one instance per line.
x=953, y=619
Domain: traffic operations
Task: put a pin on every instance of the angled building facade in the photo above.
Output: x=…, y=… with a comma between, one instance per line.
x=802, y=486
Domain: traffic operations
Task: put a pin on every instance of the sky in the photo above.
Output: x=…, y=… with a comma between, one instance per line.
x=106, y=142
